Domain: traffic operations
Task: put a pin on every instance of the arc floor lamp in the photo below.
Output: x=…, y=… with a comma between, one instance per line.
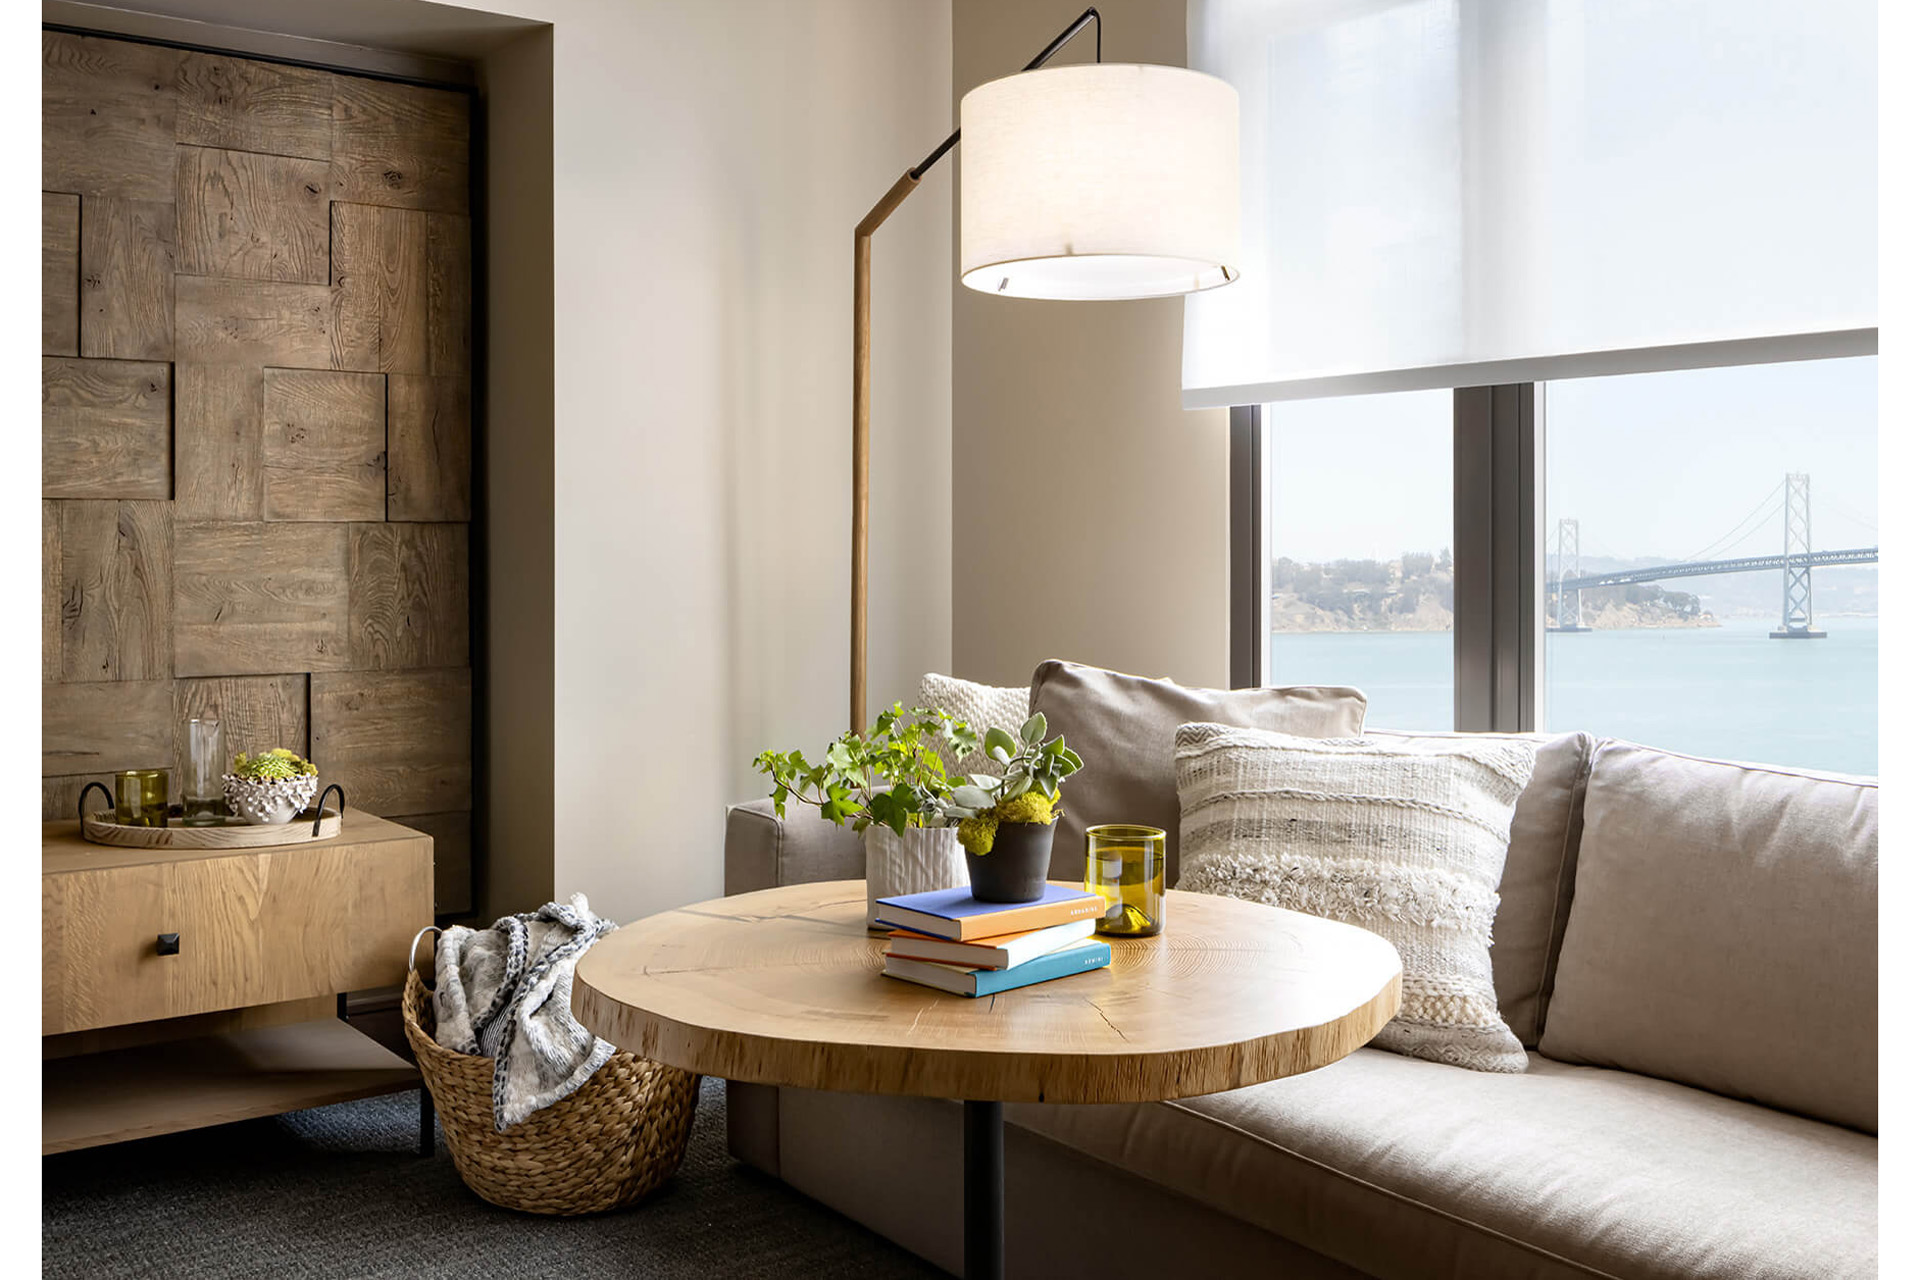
x=1098, y=181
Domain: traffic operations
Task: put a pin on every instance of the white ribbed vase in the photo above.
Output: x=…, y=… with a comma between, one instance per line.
x=923, y=859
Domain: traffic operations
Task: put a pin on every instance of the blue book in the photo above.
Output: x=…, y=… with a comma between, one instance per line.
x=1081, y=957
x=957, y=915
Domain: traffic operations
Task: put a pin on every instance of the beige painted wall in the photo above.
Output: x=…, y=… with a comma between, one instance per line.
x=513, y=558
x=1068, y=434
x=710, y=162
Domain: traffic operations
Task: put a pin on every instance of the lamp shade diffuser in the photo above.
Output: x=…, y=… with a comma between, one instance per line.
x=1100, y=181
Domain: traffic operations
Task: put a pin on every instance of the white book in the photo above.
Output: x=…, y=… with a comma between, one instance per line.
x=1003, y=952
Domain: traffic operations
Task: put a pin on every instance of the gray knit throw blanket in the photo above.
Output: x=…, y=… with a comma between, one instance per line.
x=507, y=992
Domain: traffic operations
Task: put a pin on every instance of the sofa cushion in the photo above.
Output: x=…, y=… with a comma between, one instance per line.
x=1404, y=837
x=1725, y=932
x=1404, y=1168
x=764, y=851
x=1122, y=728
x=1536, y=887
x=982, y=706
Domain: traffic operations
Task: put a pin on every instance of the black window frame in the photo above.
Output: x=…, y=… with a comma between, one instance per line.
x=1497, y=539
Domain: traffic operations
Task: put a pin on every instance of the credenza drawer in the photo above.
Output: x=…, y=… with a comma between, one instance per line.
x=253, y=928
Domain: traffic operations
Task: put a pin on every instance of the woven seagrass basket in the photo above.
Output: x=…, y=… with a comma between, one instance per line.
x=609, y=1143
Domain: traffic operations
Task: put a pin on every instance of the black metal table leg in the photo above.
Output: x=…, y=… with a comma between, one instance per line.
x=426, y=1120
x=985, y=1186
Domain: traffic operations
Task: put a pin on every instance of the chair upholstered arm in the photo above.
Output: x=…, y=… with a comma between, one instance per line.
x=765, y=851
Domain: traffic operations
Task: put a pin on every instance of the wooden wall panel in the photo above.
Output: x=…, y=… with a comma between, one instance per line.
x=452, y=858
x=260, y=599
x=126, y=279
x=256, y=713
x=49, y=592
x=116, y=590
x=379, y=288
x=119, y=724
x=106, y=117
x=255, y=216
x=408, y=595
x=256, y=421
x=324, y=453
x=429, y=447
x=399, y=145
x=59, y=274
x=60, y=796
x=252, y=322
x=399, y=742
x=105, y=428
x=246, y=105
x=216, y=441
x=449, y=294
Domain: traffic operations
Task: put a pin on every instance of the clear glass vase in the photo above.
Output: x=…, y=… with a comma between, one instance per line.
x=202, y=801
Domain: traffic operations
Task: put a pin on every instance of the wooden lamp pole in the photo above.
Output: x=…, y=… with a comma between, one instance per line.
x=862, y=371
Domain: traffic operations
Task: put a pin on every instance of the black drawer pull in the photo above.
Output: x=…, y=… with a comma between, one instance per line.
x=168, y=945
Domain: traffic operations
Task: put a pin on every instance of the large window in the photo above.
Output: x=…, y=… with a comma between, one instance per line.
x=1710, y=546
x=1361, y=534
x=1697, y=557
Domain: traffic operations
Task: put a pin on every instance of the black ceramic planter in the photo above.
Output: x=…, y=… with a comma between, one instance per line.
x=1015, y=869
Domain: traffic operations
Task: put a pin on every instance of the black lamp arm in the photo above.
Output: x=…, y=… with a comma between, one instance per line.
x=1074, y=28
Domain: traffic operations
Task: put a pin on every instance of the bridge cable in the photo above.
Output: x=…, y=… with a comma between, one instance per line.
x=1740, y=532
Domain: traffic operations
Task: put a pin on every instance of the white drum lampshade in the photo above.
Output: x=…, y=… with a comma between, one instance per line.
x=1100, y=181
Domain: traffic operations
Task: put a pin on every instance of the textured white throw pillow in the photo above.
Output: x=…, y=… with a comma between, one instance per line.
x=1405, y=838
x=981, y=705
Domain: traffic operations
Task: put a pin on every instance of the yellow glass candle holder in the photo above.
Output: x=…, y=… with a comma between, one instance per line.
x=1127, y=865
x=140, y=797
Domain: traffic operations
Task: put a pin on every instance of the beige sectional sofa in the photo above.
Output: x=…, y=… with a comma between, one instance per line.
x=1686, y=947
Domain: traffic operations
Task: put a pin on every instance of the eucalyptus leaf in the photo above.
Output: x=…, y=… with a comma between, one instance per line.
x=972, y=797
x=1017, y=788
x=1034, y=729
x=1004, y=741
x=985, y=781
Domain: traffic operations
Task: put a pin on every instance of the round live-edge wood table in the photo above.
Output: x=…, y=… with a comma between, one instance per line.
x=784, y=987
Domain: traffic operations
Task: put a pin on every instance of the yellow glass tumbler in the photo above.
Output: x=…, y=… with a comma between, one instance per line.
x=140, y=797
x=1127, y=865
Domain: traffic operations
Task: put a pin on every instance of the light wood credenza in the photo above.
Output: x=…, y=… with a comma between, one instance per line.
x=236, y=1014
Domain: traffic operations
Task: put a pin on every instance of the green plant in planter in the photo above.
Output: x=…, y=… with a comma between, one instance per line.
x=890, y=775
x=273, y=766
x=1026, y=793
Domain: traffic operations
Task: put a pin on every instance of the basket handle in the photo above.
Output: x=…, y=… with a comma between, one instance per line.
x=83, y=797
x=413, y=949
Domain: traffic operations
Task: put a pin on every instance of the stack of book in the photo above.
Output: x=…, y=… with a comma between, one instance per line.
x=950, y=940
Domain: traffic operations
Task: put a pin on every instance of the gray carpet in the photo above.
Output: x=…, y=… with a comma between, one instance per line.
x=338, y=1191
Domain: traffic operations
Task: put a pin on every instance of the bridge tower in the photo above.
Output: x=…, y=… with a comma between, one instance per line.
x=1796, y=585
x=1566, y=610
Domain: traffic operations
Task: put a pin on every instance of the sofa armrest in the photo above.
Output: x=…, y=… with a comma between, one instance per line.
x=765, y=850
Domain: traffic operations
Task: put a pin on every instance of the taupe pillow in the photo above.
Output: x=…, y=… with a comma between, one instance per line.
x=1536, y=888
x=1403, y=837
x=1122, y=728
x=1725, y=932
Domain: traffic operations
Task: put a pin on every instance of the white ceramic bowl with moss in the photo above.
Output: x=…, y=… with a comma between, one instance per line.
x=269, y=802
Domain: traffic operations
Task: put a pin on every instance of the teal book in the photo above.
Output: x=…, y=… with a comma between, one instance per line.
x=1081, y=957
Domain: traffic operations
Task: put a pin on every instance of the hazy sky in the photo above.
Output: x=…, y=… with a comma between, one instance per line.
x=1651, y=464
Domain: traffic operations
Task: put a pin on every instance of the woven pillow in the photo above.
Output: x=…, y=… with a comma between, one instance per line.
x=981, y=705
x=1404, y=838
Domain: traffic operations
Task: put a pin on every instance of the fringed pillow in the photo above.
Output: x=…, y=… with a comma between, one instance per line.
x=1405, y=838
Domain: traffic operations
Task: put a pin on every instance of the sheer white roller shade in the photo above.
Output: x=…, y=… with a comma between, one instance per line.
x=1457, y=192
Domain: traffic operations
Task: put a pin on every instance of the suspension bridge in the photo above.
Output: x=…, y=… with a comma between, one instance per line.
x=1795, y=564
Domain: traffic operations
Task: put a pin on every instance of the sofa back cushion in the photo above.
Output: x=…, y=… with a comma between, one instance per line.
x=1122, y=727
x=1536, y=887
x=1724, y=932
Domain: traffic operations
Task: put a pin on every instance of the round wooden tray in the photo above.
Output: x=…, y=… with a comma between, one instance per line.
x=236, y=833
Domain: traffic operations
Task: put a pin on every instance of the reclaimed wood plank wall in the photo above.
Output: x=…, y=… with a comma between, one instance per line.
x=256, y=302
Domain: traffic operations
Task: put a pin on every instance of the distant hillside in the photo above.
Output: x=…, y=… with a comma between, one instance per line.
x=1414, y=592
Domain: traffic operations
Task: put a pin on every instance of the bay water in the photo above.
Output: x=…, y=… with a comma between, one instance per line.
x=1730, y=692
